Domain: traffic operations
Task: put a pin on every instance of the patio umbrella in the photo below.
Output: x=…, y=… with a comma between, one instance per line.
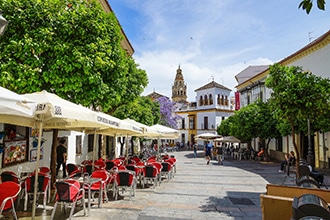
x=166, y=133
x=53, y=112
x=147, y=130
x=123, y=128
x=207, y=136
x=16, y=109
x=231, y=139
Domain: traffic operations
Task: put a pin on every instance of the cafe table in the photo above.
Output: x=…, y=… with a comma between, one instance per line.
x=89, y=181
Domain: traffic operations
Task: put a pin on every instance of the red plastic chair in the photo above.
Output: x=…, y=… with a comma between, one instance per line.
x=8, y=194
x=9, y=176
x=166, y=170
x=150, y=173
x=88, y=168
x=125, y=179
x=95, y=187
x=159, y=167
x=44, y=170
x=85, y=162
x=68, y=192
x=99, y=165
x=172, y=161
x=43, y=186
x=71, y=167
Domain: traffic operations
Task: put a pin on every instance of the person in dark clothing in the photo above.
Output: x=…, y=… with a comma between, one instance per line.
x=208, y=150
x=61, y=156
x=289, y=160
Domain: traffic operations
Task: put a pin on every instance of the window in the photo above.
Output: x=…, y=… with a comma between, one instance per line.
x=183, y=123
x=192, y=123
x=279, y=144
x=205, y=100
x=222, y=100
x=226, y=100
x=211, y=99
x=206, y=123
x=218, y=100
x=201, y=100
x=78, y=144
x=90, y=143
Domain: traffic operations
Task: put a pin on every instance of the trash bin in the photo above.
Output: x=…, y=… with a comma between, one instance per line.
x=309, y=205
x=308, y=182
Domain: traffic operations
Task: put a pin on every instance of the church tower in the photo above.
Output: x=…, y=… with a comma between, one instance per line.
x=179, y=89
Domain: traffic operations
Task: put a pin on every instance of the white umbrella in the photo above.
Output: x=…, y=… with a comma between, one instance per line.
x=147, y=130
x=166, y=132
x=16, y=109
x=53, y=112
x=58, y=113
x=207, y=136
x=232, y=139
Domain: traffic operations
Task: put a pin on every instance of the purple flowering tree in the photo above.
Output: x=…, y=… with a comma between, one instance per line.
x=167, y=112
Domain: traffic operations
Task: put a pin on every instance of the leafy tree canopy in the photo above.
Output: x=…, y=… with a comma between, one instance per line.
x=72, y=50
x=307, y=5
x=142, y=110
x=297, y=96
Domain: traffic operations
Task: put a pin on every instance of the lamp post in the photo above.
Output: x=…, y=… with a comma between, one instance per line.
x=3, y=24
x=310, y=156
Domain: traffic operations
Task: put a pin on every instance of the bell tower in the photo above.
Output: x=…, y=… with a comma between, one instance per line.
x=179, y=89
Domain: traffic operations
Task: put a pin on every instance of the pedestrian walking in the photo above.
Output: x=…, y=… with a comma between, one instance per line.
x=61, y=157
x=220, y=155
x=195, y=149
x=208, y=151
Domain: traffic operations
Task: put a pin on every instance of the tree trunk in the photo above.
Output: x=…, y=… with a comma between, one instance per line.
x=296, y=149
x=53, y=157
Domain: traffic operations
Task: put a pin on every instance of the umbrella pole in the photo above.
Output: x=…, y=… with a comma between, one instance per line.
x=36, y=173
x=158, y=146
x=94, y=144
x=126, y=148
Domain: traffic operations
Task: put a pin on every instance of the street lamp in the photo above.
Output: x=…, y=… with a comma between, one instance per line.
x=3, y=24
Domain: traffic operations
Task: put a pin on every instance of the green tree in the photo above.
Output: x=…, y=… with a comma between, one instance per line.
x=297, y=96
x=142, y=110
x=70, y=49
x=307, y=5
x=266, y=126
x=225, y=127
x=244, y=125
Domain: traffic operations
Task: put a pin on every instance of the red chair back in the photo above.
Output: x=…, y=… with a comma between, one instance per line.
x=44, y=170
x=67, y=190
x=8, y=194
x=43, y=182
x=99, y=165
x=71, y=167
x=125, y=178
x=9, y=176
x=150, y=171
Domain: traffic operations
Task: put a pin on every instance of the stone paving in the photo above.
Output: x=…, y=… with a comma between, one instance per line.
x=197, y=191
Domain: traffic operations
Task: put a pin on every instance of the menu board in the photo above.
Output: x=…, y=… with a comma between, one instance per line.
x=15, y=151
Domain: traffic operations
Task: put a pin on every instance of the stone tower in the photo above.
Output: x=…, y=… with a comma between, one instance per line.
x=179, y=89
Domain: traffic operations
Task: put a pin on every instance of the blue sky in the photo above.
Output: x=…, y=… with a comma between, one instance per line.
x=213, y=39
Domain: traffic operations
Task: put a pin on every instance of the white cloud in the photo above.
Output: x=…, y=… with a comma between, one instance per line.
x=212, y=38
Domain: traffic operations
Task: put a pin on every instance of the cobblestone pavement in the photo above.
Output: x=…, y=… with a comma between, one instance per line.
x=197, y=191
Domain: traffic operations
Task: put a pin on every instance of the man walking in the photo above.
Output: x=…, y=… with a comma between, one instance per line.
x=208, y=151
x=61, y=156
